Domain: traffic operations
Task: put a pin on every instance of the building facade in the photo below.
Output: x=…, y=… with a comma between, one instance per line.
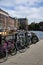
x=16, y=24
x=3, y=18
x=23, y=23
x=7, y=22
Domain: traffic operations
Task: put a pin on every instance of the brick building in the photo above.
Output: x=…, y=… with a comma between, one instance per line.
x=7, y=22
x=3, y=18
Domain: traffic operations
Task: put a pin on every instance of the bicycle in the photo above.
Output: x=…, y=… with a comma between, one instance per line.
x=3, y=51
x=20, y=43
x=11, y=47
x=28, y=39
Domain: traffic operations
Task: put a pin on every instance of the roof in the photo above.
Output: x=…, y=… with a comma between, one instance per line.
x=4, y=11
x=22, y=18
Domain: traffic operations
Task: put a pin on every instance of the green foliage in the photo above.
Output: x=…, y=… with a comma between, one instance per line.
x=34, y=26
x=22, y=26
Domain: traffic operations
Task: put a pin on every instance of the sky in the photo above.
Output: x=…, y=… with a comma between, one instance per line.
x=30, y=9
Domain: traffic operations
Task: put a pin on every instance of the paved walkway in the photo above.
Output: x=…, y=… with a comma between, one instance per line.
x=33, y=56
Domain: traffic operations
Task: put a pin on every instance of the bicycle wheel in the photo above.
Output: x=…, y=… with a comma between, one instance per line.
x=3, y=56
x=34, y=39
x=21, y=48
x=28, y=43
x=14, y=51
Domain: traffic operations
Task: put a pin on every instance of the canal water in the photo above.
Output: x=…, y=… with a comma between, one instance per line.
x=39, y=34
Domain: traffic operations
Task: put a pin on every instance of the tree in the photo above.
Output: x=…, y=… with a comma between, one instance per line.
x=34, y=26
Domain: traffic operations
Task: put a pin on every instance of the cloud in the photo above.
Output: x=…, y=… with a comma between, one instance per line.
x=31, y=9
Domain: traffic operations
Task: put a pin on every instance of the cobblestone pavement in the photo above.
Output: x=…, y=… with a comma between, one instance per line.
x=32, y=56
